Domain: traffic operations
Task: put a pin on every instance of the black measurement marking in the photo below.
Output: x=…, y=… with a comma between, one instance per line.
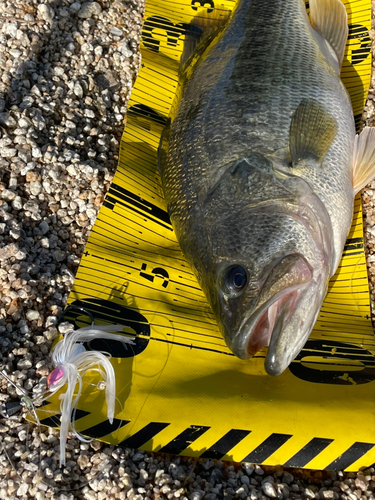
x=189, y=308
x=148, y=208
x=157, y=272
x=332, y=350
x=143, y=111
x=203, y=3
x=53, y=421
x=353, y=246
x=360, y=33
x=173, y=32
x=191, y=346
x=114, y=313
x=129, y=241
x=193, y=301
x=110, y=203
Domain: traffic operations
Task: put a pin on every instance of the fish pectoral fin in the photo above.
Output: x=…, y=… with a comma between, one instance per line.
x=364, y=158
x=329, y=17
x=312, y=131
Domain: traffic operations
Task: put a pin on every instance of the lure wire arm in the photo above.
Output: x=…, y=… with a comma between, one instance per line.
x=78, y=308
x=9, y=409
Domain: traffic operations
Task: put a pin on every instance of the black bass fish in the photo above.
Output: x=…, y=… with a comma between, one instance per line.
x=260, y=166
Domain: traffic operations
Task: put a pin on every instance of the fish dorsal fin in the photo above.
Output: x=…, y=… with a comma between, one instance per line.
x=364, y=158
x=312, y=132
x=329, y=17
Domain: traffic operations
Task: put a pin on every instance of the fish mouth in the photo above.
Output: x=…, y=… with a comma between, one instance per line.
x=272, y=319
x=284, y=320
x=257, y=329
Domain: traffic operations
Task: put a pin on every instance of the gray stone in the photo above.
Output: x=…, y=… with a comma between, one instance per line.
x=7, y=195
x=89, y=113
x=59, y=71
x=27, y=102
x=89, y=9
x=15, y=233
x=22, y=490
x=116, y=31
x=39, y=122
x=327, y=494
x=287, y=478
x=309, y=493
x=8, y=251
x=46, y=12
x=269, y=490
x=24, y=364
x=7, y=120
x=44, y=227
x=75, y=7
x=35, y=187
x=15, y=53
x=32, y=315
x=36, y=152
x=8, y=152
x=78, y=90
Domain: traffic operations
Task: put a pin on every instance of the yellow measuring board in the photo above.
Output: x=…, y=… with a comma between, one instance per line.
x=179, y=388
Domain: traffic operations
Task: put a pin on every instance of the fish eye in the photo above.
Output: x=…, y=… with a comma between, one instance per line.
x=234, y=279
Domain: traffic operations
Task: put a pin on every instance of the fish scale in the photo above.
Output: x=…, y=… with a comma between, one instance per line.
x=266, y=62
x=238, y=199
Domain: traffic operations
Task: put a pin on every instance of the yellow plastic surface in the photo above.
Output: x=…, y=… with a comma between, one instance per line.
x=180, y=390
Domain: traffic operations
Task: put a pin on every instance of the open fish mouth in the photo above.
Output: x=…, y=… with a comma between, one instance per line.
x=274, y=316
x=284, y=323
x=257, y=329
x=284, y=320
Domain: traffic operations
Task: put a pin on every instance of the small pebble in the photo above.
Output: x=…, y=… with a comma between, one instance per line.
x=7, y=120
x=89, y=9
x=46, y=12
x=269, y=490
x=22, y=490
x=287, y=478
x=309, y=493
x=116, y=31
x=32, y=315
x=258, y=470
x=24, y=364
x=328, y=495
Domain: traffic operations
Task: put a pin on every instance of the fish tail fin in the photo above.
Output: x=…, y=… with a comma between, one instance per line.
x=364, y=158
x=312, y=131
x=329, y=17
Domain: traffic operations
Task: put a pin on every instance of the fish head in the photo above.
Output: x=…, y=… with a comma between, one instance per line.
x=277, y=308
x=268, y=270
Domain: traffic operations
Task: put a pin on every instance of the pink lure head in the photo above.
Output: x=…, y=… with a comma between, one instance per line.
x=55, y=376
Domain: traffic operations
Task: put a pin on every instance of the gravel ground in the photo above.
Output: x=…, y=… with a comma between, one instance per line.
x=66, y=71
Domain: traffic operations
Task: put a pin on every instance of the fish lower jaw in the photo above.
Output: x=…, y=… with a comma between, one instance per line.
x=277, y=312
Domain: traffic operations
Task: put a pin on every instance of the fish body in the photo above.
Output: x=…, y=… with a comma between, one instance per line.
x=257, y=172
